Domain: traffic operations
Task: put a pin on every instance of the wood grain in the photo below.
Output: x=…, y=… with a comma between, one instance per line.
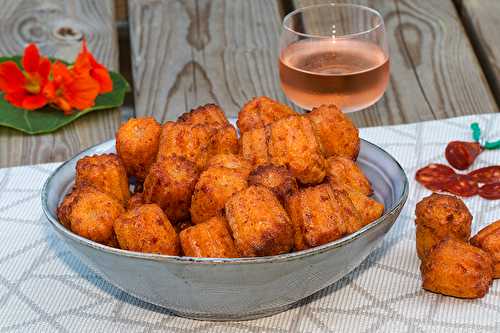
x=39, y=21
x=434, y=71
x=482, y=21
x=192, y=52
x=121, y=10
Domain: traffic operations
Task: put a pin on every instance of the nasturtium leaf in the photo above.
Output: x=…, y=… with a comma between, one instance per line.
x=48, y=119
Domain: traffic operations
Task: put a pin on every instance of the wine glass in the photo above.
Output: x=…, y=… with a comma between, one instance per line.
x=334, y=54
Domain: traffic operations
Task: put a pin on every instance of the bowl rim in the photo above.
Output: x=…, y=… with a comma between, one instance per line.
x=220, y=261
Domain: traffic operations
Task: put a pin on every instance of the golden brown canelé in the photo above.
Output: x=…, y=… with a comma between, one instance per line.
x=146, y=229
x=215, y=186
x=260, y=112
x=259, y=224
x=210, y=239
x=488, y=239
x=289, y=142
x=170, y=184
x=105, y=172
x=440, y=216
x=336, y=132
x=321, y=214
x=276, y=178
x=90, y=213
x=456, y=268
x=344, y=172
x=137, y=143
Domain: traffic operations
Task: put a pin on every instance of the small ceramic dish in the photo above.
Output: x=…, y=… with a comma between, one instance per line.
x=233, y=288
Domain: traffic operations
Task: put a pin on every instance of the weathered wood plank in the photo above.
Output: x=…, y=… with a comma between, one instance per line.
x=434, y=72
x=482, y=21
x=187, y=53
x=25, y=21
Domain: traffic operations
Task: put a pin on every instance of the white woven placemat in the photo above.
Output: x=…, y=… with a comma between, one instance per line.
x=44, y=288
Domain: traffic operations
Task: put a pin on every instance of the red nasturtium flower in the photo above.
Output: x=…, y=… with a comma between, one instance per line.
x=41, y=83
x=70, y=89
x=24, y=89
x=86, y=63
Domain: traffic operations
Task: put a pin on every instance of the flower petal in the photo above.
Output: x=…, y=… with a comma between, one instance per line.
x=44, y=68
x=82, y=92
x=31, y=58
x=101, y=75
x=33, y=102
x=11, y=78
x=16, y=98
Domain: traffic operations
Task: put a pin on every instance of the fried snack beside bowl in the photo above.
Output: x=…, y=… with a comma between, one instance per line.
x=137, y=143
x=170, y=184
x=488, y=239
x=440, y=216
x=105, y=172
x=260, y=225
x=146, y=229
x=321, y=214
x=260, y=112
x=456, y=268
x=210, y=239
x=90, y=213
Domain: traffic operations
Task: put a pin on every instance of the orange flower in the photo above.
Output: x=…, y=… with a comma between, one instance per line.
x=86, y=63
x=24, y=89
x=70, y=89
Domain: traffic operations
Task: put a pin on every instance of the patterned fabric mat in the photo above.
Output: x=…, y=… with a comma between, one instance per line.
x=44, y=288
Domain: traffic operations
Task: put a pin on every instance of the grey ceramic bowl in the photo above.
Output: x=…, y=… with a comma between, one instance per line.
x=240, y=288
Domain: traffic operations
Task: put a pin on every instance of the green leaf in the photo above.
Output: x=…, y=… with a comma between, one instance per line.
x=48, y=119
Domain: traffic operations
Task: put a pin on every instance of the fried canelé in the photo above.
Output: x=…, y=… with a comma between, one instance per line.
x=254, y=146
x=225, y=138
x=369, y=209
x=179, y=226
x=259, y=224
x=105, y=172
x=293, y=143
x=336, y=132
x=215, y=186
x=440, y=216
x=136, y=200
x=260, y=112
x=210, y=239
x=488, y=239
x=276, y=178
x=192, y=142
x=344, y=172
x=456, y=268
x=230, y=161
x=146, y=229
x=196, y=142
x=321, y=214
x=137, y=145
x=208, y=114
x=90, y=212
x=290, y=142
x=170, y=184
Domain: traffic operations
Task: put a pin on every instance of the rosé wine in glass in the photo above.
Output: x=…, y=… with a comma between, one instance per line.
x=328, y=57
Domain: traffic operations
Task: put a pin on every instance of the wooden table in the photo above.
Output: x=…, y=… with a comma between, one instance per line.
x=445, y=59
